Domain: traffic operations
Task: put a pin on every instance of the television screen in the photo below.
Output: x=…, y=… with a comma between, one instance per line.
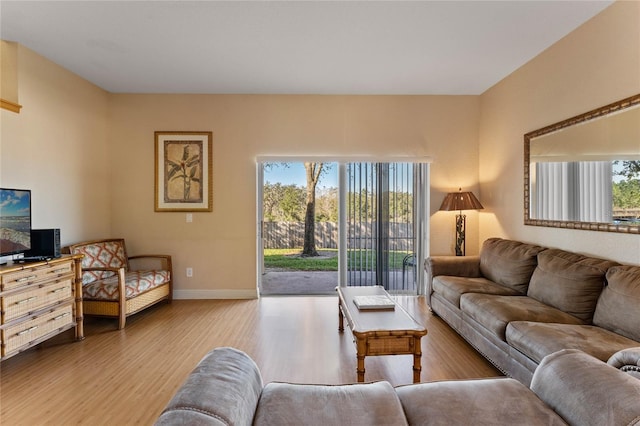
x=15, y=221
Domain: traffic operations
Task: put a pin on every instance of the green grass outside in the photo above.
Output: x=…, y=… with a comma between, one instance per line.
x=290, y=259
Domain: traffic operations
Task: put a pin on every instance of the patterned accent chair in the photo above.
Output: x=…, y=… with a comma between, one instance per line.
x=110, y=288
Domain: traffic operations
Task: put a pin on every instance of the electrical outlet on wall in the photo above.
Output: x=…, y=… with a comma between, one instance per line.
x=189, y=272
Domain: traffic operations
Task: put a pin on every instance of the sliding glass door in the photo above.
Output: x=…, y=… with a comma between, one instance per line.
x=383, y=216
x=385, y=228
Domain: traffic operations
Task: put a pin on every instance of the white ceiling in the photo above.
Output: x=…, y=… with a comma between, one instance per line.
x=292, y=47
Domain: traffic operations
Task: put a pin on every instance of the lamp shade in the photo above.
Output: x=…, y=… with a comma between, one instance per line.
x=460, y=201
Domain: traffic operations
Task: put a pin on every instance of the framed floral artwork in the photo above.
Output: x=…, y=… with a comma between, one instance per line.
x=183, y=174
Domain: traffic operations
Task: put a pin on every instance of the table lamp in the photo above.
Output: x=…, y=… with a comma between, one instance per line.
x=460, y=201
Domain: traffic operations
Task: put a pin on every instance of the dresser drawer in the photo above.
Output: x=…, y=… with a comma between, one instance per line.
x=36, y=297
x=21, y=335
x=29, y=276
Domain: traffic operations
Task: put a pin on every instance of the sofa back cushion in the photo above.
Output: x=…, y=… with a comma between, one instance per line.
x=509, y=263
x=368, y=404
x=618, y=307
x=569, y=281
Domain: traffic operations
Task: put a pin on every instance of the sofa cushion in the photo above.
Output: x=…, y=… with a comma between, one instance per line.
x=618, y=307
x=223, y=389
x=136, y=282
x=568, y=281
x=359, y=404
x=537, y=340
x=494, y=312
x=585, y=391
x=509, y=263
x=479, y=402
x=451, y=288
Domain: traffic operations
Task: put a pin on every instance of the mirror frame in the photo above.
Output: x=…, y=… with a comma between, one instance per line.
x=591, y=115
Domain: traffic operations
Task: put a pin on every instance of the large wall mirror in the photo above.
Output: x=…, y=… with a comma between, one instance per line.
x=584, y=172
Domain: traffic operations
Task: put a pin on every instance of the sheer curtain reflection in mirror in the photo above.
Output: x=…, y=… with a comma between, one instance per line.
x=584, y=172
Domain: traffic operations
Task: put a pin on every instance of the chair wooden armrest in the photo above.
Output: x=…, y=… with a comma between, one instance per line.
x=97, y=269
x=159, y=256
x=120, y=272
x=164, y=259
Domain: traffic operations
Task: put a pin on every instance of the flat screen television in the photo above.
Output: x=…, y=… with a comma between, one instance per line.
x=15, y=221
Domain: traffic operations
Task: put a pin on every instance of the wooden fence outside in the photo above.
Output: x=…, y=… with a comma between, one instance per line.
x=619, y=213
x=280, y=235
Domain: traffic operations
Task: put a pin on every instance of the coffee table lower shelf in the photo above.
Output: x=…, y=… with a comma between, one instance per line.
x=380, y=332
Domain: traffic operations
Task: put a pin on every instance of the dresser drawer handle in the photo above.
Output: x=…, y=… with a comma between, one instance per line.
x=58, y=289
x=56, y=271
x=28, y=330
x=23, y=279
x=60, y=316
x=29, y=299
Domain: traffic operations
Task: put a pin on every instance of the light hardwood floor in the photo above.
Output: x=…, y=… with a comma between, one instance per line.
x=126, y=377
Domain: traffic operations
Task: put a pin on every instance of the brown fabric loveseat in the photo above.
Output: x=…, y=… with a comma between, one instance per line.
x=569, y=387
x=517, y=303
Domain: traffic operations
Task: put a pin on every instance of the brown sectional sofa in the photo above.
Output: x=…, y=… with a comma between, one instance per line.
x=226, y=388
x=517, y=303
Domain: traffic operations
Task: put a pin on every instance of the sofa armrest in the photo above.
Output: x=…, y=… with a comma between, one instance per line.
x=223, y=389
x=587, y=391
x=459, y=266
x=627, y=360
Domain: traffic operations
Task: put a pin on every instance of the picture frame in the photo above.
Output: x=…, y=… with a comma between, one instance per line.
x=183, y=171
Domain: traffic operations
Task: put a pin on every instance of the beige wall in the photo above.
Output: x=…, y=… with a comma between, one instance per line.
x=597, y=64
x=57, y=147
x=88, y=155
x=221, y=245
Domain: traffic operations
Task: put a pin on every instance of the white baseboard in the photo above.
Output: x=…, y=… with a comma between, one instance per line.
x=215, y=294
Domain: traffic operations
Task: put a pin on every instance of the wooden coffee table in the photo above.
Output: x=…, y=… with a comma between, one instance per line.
x=380, y=332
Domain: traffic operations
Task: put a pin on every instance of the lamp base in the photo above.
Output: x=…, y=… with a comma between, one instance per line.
x=461, y=222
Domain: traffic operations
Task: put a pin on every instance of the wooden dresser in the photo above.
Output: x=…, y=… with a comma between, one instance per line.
x=39, y=300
